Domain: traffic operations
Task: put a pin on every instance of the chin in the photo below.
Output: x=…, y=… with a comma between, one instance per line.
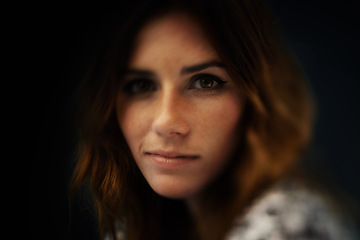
x=174, y=189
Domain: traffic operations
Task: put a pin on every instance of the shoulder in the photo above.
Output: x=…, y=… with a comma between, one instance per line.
x=291, y=210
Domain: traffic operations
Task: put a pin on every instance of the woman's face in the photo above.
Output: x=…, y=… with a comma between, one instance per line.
x=178, y=108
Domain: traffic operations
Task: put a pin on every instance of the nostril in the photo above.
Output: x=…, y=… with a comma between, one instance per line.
x=176, y=128
x=170, y=126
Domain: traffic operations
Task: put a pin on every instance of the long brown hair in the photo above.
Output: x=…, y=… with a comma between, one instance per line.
x=276, y=126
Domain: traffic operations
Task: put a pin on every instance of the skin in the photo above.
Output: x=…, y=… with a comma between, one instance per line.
x=181, y=134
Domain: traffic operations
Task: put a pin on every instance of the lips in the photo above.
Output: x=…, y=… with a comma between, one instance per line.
x=170, y=159
x=171, y=154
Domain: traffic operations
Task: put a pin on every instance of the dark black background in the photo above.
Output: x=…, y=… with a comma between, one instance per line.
x=324, y=37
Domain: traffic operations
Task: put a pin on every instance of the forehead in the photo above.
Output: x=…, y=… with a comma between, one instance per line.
x=172, y=36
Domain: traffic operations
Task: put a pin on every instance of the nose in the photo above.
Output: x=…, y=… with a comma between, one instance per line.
x=170, y=116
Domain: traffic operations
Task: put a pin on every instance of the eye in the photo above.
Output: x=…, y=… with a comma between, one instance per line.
x=206, y=82
x=139, y=86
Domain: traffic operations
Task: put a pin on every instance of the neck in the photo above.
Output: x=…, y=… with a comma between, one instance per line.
x=194, y=204
x=212, y=211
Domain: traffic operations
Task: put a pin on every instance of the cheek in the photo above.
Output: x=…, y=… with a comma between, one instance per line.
x=217, y=137
x=133, y=121
x=220, y=134
x=220, y=119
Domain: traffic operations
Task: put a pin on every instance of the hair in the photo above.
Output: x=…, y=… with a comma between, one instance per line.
x=276, y=127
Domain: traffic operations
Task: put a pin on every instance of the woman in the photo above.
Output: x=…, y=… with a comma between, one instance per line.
x=191, y=124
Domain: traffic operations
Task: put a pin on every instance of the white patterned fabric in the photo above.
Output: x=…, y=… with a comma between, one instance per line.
x=291, y=211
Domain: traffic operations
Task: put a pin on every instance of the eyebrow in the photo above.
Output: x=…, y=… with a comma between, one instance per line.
x=184, y=70
x=145, y=73
x=201, y=66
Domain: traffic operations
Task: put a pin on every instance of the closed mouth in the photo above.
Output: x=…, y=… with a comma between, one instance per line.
x=170, y=160
x=171, y=155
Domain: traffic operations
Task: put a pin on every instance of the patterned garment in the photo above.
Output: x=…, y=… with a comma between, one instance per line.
x=290, y=211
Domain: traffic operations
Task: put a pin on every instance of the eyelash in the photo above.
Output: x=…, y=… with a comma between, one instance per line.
x=149, y=85
x=197, y=78
x=129, y=87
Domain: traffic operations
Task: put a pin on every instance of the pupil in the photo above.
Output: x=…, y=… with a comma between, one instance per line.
x=143, y=85
x=206, y=83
